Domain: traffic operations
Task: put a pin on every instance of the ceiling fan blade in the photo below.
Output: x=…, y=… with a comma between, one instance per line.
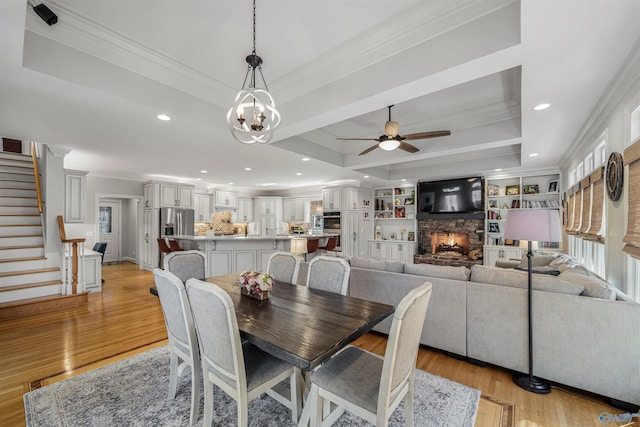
x=368, y=150
x=425, y=135
x=358, y=139
x=408, y=147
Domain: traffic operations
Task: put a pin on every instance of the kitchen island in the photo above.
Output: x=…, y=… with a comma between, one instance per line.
x=234, y=253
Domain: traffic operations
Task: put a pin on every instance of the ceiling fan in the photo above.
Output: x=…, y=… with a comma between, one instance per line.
x=392, y=140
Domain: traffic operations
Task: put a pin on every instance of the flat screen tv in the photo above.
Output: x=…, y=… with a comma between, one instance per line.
x=459, y=197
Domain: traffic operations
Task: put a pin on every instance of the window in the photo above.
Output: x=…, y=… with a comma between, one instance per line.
x=105, y=219
x=600, y=154
x=572, y=177
x=579, y=171
x=588, y=164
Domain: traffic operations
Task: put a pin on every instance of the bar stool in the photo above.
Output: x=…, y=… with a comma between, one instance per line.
x=312, y=246
x=330, y=246
x=164, y=249
x=175, y=246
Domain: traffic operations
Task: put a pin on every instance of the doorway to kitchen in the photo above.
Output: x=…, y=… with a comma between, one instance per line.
x=110, y=228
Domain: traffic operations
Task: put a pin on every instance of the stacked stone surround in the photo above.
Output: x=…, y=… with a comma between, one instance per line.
x=473, y=227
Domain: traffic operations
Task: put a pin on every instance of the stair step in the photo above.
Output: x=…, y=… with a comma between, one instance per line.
x=33, y=258
x=12, y=278
x=29, y=307
x=25, y=230
x=19, y=210
x=18, y=170
x=30, y=285
x=23, y=252
x=20, y=220
x=18, y=201
x=15, y=156
x=17, y=176
x=21, y=181
x=27, y=240
x=18, y=192
x=40, y=270
x=45, y=289
x=9, y=266
x=19, y=163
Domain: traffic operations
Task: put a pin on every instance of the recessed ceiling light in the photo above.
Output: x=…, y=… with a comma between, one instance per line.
x=163, y=117
x=299, y=173
x=305, y=159
x=230, y=183
x=366, y=176
x=542, y=106
x=497, y=170
x=198, y=179
x=203, y=171
x=247, y=169
x=403, y=179
x=533, y=154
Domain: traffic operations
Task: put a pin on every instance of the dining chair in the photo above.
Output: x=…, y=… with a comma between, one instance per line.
x=187, y=264
x=183, y=344
x=329, y=274
x=284, y=266
x=102, y=248
x=365, y=384
x=241, y=370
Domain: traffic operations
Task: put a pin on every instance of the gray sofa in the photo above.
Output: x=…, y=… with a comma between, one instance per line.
x=591, y=343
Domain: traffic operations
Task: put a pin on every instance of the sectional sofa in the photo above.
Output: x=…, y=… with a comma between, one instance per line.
x=586, y=333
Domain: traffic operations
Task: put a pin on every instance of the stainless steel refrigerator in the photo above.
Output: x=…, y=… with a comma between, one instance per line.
x=176, y=222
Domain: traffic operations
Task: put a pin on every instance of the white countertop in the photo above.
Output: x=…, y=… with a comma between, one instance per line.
x=251, y=237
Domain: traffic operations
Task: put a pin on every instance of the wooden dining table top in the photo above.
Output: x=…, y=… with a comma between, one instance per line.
x=300, y=325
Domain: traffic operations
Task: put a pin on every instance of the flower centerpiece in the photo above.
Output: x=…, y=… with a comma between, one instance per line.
x=255, y=284
x=402, y=231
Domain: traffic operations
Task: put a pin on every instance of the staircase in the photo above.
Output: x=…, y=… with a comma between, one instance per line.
x=27, y=285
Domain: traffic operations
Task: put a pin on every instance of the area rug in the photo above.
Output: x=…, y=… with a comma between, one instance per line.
x=133, y=392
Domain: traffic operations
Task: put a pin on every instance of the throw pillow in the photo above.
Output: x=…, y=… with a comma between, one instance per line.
x=536, y=261
x=594, y=286
x=519, y=279
x=441, y=271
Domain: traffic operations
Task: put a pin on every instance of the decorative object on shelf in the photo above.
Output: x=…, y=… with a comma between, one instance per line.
x=366, y=203
x=411, y=236
x=402, y=231
x=408, y=201
x=378, y=232
x=614, y=177
x=253, y=116
x=513, y=190
x=255, y=284
x=553, y=186
x=494, y=227
x=530, y=189
x=493, y=203
x=400, y=212
x=392, y=236
x=532, y=225
x=365, y=216
x=493, y=190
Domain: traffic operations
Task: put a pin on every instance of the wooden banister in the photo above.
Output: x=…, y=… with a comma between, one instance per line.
x=74, y=254
x=36, y=172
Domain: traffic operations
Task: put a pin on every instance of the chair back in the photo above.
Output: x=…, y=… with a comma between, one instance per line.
x=174, y=245
x=100, y=247
x=329, y=274
x=186, y=264
x=220, y=345
x=177, y=314
x=284, y=266
x=312, y=245
x=403, y=344
x=331, y=244
x=163, y=245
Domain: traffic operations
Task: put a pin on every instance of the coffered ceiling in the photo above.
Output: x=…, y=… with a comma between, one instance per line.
x=95, y=81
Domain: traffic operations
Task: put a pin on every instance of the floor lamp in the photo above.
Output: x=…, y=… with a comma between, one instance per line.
x=532, y=225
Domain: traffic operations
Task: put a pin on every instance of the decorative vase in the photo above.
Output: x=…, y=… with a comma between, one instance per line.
x=260, y=296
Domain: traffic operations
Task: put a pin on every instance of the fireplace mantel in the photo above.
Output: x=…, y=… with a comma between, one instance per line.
x=473, y=228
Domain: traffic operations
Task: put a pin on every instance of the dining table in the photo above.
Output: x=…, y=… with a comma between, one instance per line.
x=301, y=325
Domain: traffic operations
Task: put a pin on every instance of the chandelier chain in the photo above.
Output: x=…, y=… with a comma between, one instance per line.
x=254, y=27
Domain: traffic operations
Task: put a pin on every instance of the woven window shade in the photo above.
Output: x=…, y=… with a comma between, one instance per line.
x=571, y=205
x=632, y=236
x=585, y=187
x=593, y=233
x=577, y=210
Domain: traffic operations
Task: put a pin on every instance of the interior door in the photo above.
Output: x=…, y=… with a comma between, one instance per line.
x=109, y=226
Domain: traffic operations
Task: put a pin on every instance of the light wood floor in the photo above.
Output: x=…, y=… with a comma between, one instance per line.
x=125, y=319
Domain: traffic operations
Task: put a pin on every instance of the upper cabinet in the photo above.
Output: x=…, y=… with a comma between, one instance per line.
x=294, y=209
x=331, y=199
x=148, y=196
x=245, y=209
x=226, y=199
x=203, y=209
x=350, y=198
x=75, y=198
x=176, y=195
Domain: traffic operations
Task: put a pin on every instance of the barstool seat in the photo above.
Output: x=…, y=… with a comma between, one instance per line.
x=164, y=249
x=330, y=245
x=175, y=246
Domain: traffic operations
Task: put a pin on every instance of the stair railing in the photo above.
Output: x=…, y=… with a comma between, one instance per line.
x=71, y=283
x=36, y=173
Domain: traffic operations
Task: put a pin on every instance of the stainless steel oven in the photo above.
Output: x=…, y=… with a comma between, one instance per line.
x=332, y=225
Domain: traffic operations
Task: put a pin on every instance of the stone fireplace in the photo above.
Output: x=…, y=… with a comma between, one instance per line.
x=450, y=241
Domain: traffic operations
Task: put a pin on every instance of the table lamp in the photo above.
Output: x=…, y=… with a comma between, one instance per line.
x=298, y=246
x=532, y=225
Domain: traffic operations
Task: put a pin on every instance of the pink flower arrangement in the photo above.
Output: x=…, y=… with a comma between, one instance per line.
x=255, y=282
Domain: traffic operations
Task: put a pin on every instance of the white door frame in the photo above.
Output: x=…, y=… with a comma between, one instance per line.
x=139, y=237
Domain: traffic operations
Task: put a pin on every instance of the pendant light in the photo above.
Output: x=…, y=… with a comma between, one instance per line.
x=253, y=116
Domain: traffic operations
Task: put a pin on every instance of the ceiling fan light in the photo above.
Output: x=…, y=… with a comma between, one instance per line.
x=391, y=129
x=389, y=144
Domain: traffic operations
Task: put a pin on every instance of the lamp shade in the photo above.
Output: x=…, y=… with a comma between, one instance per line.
x=298, y=246
x=533, y=224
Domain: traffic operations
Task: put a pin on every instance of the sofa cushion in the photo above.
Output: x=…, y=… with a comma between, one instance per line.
x=519, y=279
x=538, y=260
x=543, y=269
x=375, y=264
x=594, y=286
x=442, y=271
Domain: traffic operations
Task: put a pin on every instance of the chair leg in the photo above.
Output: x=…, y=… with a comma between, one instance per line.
x=243, y=411
x=408, y=404
x=173, y=374
x=294, y=394
x=195, y=393
x=316, y=406
x=208, y=402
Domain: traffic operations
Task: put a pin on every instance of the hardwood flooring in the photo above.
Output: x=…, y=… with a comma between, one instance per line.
x=125, y=319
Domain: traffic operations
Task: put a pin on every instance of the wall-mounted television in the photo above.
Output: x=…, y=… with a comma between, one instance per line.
x=458, y=197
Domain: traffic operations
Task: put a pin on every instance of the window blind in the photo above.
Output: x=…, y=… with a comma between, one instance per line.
x=577, y=205
x=585, y=189
x=594, y=232
x=632, y=236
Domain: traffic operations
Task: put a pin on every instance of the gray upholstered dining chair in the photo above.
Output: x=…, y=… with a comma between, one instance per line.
x=367, y=385
x=183, y=344
x=186, y=264
x=241, y=370
x=284, y=266
x=329, y=274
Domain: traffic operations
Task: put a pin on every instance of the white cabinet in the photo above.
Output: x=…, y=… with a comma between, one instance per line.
x=219, y=262
x=294, y=209
x=501, y=253
x=150, y=246
x=245, y=209
x=245, y=260
x=331, y=199
x=350, y=198
x=267, y=205
x=378, y=249
x=401, y=251
x=174, y=195
x=226, y=199
x=268, y=214
x=75, y=200
x=148, y=196
x=202, y=203
x=349, y=233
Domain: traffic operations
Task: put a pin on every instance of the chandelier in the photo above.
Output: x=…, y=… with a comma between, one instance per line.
x=253, y=116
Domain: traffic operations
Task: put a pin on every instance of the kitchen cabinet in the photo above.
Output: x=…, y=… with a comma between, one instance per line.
x=501, y=253
x=219, y=262
x=294, y=209
x=245, y=209
x=176, y=195
x=378, y=249
x=245, y=259
x=268, y=213
x=226, y=199
x=349, y=233
x=268, y=205
x=331, y=199
x=350, y=198
x=147, y=199
x=202, y=203
x=75, y=197
x=150, y=245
